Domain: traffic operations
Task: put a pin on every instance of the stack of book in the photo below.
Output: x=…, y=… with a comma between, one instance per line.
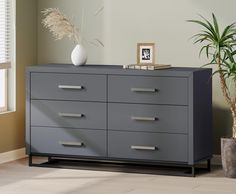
x=146, y=66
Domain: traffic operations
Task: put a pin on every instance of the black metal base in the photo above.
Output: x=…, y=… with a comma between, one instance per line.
x=129, y=167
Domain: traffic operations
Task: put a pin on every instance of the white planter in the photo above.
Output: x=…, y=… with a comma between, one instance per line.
x=79, y=55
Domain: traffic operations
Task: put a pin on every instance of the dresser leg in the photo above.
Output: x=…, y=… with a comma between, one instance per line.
x=193, y=171
x=209, y=165
x=30, y=160
x=49, y=159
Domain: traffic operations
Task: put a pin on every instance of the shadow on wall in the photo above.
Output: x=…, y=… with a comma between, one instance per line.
x=222, y=124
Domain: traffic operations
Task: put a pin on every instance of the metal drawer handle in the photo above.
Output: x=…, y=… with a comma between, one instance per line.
x=144, y=118
x=70, y=87
x=144, y=90
x=78, y=144
x=152, y=148
x=70, y=115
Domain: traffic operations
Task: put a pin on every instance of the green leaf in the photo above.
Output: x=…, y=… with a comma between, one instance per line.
x=229, y=55
x=233, y=53
x=218, y=71
x=208, y=64
x=227, y=65
x=214, y=33
x=209, y=34
x=227, y=37
x=200, y=40
x=216, y=26
x=215, y=72
x=228, y=29
x=207, y=50
x=204, y=25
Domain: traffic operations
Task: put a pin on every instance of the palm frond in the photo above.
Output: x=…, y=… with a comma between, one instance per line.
x=228, y=29
x=206, y=26
x=212, y=29
x=205, y=48
x=216, y=26
x=228, y=37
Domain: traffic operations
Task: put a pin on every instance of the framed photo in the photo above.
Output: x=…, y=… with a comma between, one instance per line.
x=146, y=53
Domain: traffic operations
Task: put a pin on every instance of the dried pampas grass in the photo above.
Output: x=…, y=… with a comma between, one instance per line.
x=60, y=25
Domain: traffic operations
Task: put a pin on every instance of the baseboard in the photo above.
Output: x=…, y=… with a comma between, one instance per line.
x=216, y=160
x=12, y=155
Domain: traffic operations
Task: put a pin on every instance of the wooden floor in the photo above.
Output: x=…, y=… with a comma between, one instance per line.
x=16, y=178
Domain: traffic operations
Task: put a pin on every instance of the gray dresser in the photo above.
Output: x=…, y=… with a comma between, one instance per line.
x=109, y=113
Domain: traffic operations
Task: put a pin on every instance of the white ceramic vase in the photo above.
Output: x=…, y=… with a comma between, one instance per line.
x=79, y=55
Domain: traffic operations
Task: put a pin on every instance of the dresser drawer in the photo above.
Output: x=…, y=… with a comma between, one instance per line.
x=68, y=86
x=152, y=118
x=153, y=90
x=148, y=146
x=66, y=141
x=68, y=114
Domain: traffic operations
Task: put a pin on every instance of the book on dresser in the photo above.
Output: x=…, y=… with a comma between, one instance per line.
x=146, y=66
x=107, y=113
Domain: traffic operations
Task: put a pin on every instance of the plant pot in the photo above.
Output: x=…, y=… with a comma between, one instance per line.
x=228, y=156
x=79, y=55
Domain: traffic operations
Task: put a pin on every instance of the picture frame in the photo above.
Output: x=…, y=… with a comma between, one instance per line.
x=145, y=53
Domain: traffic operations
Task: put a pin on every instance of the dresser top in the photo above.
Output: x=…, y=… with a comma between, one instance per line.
x=113, y=70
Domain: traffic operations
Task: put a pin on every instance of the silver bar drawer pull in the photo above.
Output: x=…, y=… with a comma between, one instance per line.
x=144, y=118
x=78, y=144
x=144, y=90
x=61, y=114
x=70, y=87
x=152, y=148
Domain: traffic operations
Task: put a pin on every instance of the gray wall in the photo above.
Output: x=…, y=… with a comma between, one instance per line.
x=123, y=23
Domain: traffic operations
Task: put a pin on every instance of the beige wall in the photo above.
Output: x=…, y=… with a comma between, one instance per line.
x=12, y=125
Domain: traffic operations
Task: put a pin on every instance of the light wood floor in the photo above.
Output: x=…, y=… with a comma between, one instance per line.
x=16, y=178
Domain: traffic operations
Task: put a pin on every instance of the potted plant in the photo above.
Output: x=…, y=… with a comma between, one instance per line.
x=220, y=48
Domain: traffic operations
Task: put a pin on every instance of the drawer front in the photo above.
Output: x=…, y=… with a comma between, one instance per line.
x=68, y=114
x=147, y=146
x=68, y=141
x=68, y=86
x=152, y=118
x=154, y=90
